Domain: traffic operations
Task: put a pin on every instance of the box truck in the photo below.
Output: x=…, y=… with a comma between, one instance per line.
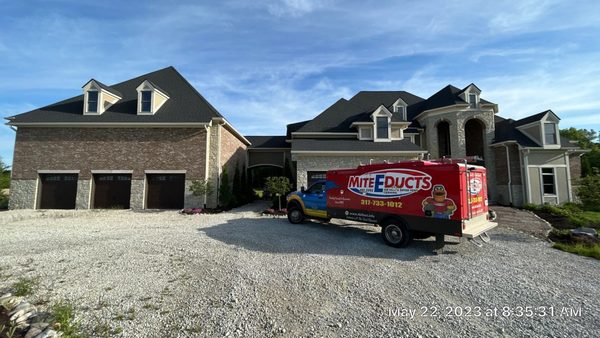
x=410, y=199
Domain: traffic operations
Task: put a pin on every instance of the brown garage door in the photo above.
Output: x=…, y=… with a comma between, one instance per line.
x=165, y=191
x=59, y=191
x=112, y=191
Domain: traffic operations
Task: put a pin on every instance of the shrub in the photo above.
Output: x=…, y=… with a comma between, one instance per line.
x=3, y=201
x=200, y=188
x=225, y=189
x=588, y=192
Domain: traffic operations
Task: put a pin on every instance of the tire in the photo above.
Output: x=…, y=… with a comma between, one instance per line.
x=395, y=234
x=295, y=215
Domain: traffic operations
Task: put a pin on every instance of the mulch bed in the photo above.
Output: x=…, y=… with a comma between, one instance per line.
x=558, y=222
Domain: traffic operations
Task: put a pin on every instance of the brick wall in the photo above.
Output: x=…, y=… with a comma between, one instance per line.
x=87, y=149
x=233, y=151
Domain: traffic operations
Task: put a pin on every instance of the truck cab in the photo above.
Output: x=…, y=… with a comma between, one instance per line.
x=308, y=203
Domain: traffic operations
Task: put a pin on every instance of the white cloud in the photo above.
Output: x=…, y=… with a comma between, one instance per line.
x=294, y=8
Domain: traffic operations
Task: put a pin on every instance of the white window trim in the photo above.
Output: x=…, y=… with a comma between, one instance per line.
x=382, y=111
x=86, y=102
x=400, y=103
x=556, y=133
x=476, y=100
x=147, y=86
x=544, y=195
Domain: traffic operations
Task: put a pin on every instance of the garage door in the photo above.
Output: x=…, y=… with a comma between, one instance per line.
x=112, y=191
x=165, y=191
x=58, y=191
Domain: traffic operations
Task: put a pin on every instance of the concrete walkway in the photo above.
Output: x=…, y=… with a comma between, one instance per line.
x=523, y=221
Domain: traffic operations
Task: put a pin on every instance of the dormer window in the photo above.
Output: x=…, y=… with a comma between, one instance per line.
x=150, y=98
x=401, y=110
x=146, y=101
x=472, y=101
x=92, y=101
x=98, y=97
x=550, y=133
x=382, y=127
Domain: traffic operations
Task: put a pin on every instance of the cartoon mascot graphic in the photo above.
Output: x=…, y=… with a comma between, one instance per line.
x=438, y=206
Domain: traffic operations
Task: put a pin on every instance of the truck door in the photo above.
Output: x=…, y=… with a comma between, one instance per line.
x=315, y=200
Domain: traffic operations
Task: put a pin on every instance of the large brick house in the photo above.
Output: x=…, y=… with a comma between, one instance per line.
x=140, y=143
x=136, y=144
x=527, y=160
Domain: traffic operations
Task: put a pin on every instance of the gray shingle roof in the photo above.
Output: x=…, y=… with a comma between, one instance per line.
x=530, y=119
x=268, y=142
x=185, y=105
x=353, y=145
x=340, y=116
x=506, y=130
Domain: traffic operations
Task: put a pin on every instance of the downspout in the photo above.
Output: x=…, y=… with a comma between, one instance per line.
x=510, y=196
x=526, y=174
x=569, y=187
x=206, y=160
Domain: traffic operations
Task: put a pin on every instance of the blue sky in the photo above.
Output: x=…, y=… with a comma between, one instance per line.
x=264, y=64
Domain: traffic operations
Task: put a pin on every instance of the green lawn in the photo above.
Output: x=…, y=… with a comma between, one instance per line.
x=580, y=249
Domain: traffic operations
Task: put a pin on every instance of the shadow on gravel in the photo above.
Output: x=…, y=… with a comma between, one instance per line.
x=279, y=236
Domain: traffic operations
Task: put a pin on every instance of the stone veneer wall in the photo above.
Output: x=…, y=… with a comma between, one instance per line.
x=321, y=163
x=457, y=120
x=22, y=193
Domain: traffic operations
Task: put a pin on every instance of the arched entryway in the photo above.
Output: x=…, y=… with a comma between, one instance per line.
x=443, y=134
x=475, y=138
x=259, y=173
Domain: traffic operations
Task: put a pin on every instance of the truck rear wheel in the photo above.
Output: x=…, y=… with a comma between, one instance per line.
x=395, y=234
x=295, y=215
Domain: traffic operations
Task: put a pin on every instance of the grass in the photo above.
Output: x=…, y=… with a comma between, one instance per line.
x=64, y=315
x=25, y=286
x=580, y=249
x=573, y=214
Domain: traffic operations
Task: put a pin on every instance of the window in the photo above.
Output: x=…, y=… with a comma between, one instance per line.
x=548, y=181
x=472, y=100
x=417, y=139
x=366, y=133
x=382, y=128
x=146, y=101
x=317, y=188
x=550, y=133
x=401, y=110
x=92, y=101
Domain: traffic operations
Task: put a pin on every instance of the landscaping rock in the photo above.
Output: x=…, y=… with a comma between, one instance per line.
x=584, y=232
x=11, y=302
x=33, y=332
x=49, y=333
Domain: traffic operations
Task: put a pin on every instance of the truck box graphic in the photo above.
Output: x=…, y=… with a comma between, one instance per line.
x=435, y=197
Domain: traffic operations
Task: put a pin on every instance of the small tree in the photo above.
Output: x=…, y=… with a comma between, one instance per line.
x=237, y=187
x=225, y=188
x=202, y=188
x=278, y=186
x=244, y=185
x=588, y=192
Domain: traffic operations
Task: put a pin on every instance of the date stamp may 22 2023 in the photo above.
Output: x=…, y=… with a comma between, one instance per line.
x=489, y=312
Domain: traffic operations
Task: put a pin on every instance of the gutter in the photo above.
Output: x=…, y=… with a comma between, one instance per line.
x=510, y=198
x=222, y=121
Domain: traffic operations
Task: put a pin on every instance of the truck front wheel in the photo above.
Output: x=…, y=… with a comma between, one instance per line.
x=295, y=215
x=395, y=234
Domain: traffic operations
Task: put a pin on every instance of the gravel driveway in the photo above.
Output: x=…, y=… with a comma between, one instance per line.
x=160, y=274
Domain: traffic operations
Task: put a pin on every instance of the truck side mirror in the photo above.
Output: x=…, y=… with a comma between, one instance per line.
x=302, y=189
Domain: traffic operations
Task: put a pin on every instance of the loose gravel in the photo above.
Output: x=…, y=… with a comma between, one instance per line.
x=239, y=274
